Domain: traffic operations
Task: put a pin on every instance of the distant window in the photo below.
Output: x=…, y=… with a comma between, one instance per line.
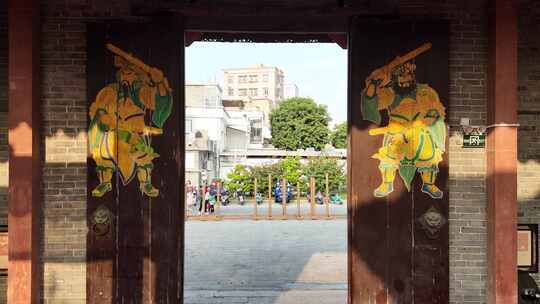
x=253, y=78
x=242, y=92
x=255, y=136
x=253, y=92
x=189, y=126
x=230, y=79
x=242, y=79
x=231, y=91
x=265, y=78
x=265, y=91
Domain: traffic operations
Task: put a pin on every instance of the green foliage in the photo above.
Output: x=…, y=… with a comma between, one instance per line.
x=319, y=166
x=338, y=137
x=239, y=178
x=261, y=174
x=291, y=169
x=299, y=123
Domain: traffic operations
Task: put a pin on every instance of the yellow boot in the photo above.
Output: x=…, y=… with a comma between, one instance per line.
x=105, y=176
x=428, y=186
x=387, y=185
x=145, y=181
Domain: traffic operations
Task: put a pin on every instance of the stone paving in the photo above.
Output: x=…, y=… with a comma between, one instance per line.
x=266, y=262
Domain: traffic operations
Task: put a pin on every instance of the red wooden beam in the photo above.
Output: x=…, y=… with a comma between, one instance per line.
x=24, y=203
x=502, y=153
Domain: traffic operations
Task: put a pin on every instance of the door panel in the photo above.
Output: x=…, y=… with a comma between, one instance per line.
x=135, y=162
x=398, y=162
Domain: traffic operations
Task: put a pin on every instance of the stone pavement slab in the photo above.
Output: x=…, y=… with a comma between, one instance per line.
x=277, y=262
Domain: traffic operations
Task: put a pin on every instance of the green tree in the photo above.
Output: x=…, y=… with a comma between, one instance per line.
x=239, y=178
x=299, y=123
x=261, y=174
x=338, y=137
x=319, y=166
x=291, y=169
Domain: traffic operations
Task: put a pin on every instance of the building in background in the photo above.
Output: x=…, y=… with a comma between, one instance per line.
x=205, y=128
x=290, y=91
x=254, y=82
x=214, y=126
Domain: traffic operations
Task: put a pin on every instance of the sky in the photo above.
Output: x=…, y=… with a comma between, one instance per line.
x=318, y=69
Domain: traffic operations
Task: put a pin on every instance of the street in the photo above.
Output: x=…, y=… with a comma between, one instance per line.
x=263, y=262
x=248, y=209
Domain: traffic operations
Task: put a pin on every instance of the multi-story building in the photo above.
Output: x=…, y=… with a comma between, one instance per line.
x=205, y=128
x=212, y=128
x=254, y=82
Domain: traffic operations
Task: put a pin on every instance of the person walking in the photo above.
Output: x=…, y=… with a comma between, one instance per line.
x=189, y=198
x=206, y=199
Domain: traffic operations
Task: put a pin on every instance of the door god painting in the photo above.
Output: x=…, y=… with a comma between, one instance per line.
x=414, y=138
x=124, y=117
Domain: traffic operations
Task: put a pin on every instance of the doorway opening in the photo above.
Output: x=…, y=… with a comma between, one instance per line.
x=265, y=168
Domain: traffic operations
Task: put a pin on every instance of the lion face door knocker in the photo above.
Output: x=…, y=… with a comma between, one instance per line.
x=432, y=221
x=101, y=222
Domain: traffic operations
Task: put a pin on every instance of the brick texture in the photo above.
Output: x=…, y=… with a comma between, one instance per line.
x=64, y=104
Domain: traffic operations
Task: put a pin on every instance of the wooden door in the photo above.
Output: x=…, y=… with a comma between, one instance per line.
x=398, y=162
x=135, y=162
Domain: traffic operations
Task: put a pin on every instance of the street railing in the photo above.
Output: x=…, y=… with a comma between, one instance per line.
x=219, y=211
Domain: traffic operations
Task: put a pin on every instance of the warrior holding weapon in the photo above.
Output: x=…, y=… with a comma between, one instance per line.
x=123, y=118
x=414, y=139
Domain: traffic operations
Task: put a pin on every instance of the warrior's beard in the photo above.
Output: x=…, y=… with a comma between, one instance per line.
x=126, y=88
x=403, y=90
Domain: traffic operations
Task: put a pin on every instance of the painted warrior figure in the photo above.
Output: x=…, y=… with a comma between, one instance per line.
x=123, y=118
x=414, y=139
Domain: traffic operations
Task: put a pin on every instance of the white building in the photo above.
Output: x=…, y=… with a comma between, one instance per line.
x=205, y=127
x=290, y=91
x=254, y=82
x=212, y=129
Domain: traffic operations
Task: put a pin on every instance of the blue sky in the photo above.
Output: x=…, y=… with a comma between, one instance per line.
x=318, y=69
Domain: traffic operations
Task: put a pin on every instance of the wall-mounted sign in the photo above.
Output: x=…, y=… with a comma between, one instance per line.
x=527, y=247
x=474, y=137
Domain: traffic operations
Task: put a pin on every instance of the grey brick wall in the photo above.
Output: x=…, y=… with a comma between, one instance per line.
x=64, y=101
x=529, y=114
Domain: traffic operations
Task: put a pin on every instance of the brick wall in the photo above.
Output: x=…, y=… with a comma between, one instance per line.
x=64, y=102
x=529, y=114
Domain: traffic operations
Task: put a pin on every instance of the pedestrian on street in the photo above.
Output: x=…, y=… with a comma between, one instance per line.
x=189, y=196
x=206, y=199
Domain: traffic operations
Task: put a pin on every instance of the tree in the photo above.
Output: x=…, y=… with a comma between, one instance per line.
x=319, y=166
x=299, y=123
x=289, y=168
x=239, y=178
x=261, y=174
x=338, y=137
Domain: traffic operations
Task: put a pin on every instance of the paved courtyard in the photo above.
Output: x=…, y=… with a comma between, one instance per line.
x=266, y=262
